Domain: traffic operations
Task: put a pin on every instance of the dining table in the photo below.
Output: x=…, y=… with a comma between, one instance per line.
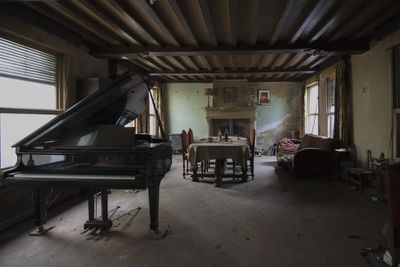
x=235, y=148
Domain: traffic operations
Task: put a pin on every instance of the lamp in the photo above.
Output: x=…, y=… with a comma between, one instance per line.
x=208, y=92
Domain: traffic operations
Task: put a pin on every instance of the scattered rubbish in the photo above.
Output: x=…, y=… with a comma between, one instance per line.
x=374, y=198
x=355, y=236
x=122, y=257
x=247, y=238
x=298, y=235
x=373, y=255
x=387, y=258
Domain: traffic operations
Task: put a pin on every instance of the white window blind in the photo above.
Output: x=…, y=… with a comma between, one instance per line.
x=26, y=63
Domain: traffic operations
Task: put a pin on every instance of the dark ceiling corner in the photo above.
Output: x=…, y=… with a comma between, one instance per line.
x=34, y=18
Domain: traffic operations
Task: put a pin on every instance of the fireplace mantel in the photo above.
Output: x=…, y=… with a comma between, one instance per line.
x=230, y=113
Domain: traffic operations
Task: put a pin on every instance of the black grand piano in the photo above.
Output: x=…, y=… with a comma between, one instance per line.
x=89, y=147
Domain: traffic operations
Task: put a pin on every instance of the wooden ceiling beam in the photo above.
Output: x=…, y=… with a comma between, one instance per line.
x=130, y=23
x=206, y=17
x=292, y=79
x=354, y=47
x=233, y=23
x=177, y=12
x=312, y=16
x=104, y=21
x=235, y=72
x=145, y=10
x=282, y=20
x=77, y=20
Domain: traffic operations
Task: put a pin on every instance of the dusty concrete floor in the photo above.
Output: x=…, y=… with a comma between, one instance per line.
x=271, y=221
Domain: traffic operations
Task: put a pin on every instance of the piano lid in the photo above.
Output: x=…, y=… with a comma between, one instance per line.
x=117, y=104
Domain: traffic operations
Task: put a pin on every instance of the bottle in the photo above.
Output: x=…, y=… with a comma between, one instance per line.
x=226, y=135
x=219, y=135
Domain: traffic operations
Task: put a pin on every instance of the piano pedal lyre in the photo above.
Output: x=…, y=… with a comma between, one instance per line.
x=92, y=223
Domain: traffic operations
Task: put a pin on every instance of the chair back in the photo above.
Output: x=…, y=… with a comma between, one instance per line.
x=190, y=136
x=252, y=137
x=184, y=141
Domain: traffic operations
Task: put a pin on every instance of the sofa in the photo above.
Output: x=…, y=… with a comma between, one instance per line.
x=311, y=156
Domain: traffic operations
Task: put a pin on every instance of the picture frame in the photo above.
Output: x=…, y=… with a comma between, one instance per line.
x=230, y=94
x=264, y=97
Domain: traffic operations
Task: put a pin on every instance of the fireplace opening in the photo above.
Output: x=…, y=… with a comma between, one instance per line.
x=234, y=127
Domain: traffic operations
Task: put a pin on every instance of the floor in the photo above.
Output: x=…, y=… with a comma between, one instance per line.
x=273, y=220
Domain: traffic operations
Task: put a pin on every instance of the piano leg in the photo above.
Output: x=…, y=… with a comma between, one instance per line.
x=153, y=203
x=39, y=196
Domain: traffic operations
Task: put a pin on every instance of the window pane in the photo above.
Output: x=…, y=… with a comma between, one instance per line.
x=153, y=125
x=331, y=122
x=330, y=103
x=313, y=99
x=14, y=127
x=26, y=94
x=312, y=124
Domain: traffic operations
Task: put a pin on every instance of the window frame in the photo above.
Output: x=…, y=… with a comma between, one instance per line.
x=59, y=89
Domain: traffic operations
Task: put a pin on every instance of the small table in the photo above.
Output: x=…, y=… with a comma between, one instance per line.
x=236, y=149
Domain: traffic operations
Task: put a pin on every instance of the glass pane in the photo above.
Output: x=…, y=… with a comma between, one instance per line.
x=313, y=99
x=25, y=94
x=14, y=127
x=330, y=103
x=331, y=122
x=153, y=125
x=312, y=124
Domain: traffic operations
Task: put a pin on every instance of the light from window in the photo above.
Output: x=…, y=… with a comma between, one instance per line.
x=330, y=105
x=311, y=109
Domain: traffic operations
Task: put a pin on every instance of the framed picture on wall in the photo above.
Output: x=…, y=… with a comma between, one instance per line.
x=264, y=97
x=230, y=94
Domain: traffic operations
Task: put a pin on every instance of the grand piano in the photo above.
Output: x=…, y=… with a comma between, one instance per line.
x=89, y=147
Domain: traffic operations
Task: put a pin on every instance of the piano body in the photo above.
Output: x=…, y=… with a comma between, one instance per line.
x=88, y=147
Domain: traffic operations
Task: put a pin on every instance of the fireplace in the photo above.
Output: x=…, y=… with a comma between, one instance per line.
x=237, y=121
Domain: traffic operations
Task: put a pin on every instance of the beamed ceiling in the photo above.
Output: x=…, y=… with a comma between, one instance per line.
x=200, y=40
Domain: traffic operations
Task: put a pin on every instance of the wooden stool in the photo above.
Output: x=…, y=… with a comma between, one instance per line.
x=359, y=176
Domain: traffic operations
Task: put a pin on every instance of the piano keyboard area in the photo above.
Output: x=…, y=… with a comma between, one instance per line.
x=73, y=176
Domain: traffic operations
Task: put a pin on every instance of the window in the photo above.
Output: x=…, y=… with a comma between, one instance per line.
x=28, y=95
x=152, y=112
x=311, y=109
x=396, y=100
x=330, y=105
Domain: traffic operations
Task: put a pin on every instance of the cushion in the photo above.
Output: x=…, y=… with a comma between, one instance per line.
x=317, y=141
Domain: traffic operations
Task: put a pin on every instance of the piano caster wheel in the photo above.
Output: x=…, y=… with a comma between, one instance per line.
x=156, y=234
x=41, y=231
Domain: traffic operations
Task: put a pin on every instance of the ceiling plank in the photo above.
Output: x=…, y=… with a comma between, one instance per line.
x=71, y=16
x=233, y=23
x=175, y=62
x=123, y=17
x=287, y=12
x=313, y=16
x=104, y=21
x=189, y=62
x=207, y=21
x=143, y=9
x=161, y=62
x=354, y=47
x=49, y=13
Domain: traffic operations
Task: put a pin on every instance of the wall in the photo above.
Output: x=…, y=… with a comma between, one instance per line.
x=185, y=103
x=372, y=99
x=283, y=114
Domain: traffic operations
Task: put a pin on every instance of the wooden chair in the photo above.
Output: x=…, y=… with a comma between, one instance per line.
x=185, y=144
x=190, y=136
x=252, y=140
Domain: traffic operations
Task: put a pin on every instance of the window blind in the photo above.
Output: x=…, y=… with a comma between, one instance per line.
x=26, y=63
